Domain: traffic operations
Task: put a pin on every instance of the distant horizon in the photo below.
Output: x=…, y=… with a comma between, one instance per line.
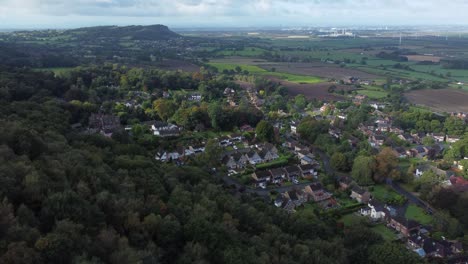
x=249, y=28
x=61, y=14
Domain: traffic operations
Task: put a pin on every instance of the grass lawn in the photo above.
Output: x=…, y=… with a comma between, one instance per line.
x=384, y=193
x=418, y=214
x=253, y=69
x=307, y=209
x=373, y=94
x=350, y=219
x=385, y=232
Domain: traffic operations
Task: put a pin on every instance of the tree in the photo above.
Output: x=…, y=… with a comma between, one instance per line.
x=300, y=101
x=164, y=108
x=386, y=165
x=428, y=141
x=454, y=126
x=20, y=253
x=310, y=129
x=363, y=169
x=391, y=252
x=338, y=161
x=265, y=131
x=215, y=112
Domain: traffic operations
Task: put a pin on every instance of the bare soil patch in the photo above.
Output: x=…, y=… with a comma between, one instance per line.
x=442, y=100
x=423, y=58
x=317, y=91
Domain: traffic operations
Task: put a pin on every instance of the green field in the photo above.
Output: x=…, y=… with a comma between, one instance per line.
x=253, y=69
x=418, y=214
x=373, y=94
x=246, y=52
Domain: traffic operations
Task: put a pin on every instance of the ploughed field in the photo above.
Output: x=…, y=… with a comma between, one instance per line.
x=313, y=91
x=324, y=70
x=442, y=100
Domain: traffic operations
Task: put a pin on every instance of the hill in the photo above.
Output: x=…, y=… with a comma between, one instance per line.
x=152, y=32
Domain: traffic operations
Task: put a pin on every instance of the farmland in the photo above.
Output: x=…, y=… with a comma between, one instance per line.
x=443, y=100
x=314, y=91
x=256, y=70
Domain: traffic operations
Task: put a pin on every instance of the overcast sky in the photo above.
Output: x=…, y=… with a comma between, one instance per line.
x=230, y=13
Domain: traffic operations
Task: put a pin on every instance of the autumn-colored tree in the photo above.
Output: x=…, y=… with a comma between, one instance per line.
x=164, y=108
x=386, y=165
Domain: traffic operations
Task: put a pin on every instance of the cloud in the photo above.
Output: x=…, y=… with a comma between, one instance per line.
x=241, y=12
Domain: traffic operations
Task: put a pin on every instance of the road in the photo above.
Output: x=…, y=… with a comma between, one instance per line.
x=262, y=192
x=411, y=197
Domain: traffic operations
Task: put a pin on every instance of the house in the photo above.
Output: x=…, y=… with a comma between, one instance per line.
x=316, y=192
x=164, y=129
x=377, y=140
x=292, y=172
x=105, y=124
x=375, y=210
x=253, y=157
x=400, y=152
x=360, y=195
x=383, y=127
x=278, y=175
x=438, y=137
x=261, y=178
x=194, y=97
x=235, y=161
x=408, y=138
x=229, y=92
x=299, y=147
x=419, y=152
x=397, y=130
x=377, y=106
x=166, y=156
x=344, y=182
x=415, y=242
x=433, y=248
x=268, y=146
x=246, y=128
x=307, y=160
x=199, y=148
x=298, y=197
x=267, y=155
x=335, y=132
x=282, y=201
x=404, y=226
x=426, y=167
x=293, y=126
x=308, y=171
x=418, y=137
x=452, y=139
x=459, y=184
x=236, y=137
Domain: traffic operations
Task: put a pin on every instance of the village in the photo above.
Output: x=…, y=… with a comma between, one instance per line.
x=294, y=175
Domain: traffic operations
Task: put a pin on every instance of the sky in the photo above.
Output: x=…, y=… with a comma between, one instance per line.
x=230, y=13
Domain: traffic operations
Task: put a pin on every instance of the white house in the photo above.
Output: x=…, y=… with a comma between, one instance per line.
x=163, y=129
x=375, y=210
